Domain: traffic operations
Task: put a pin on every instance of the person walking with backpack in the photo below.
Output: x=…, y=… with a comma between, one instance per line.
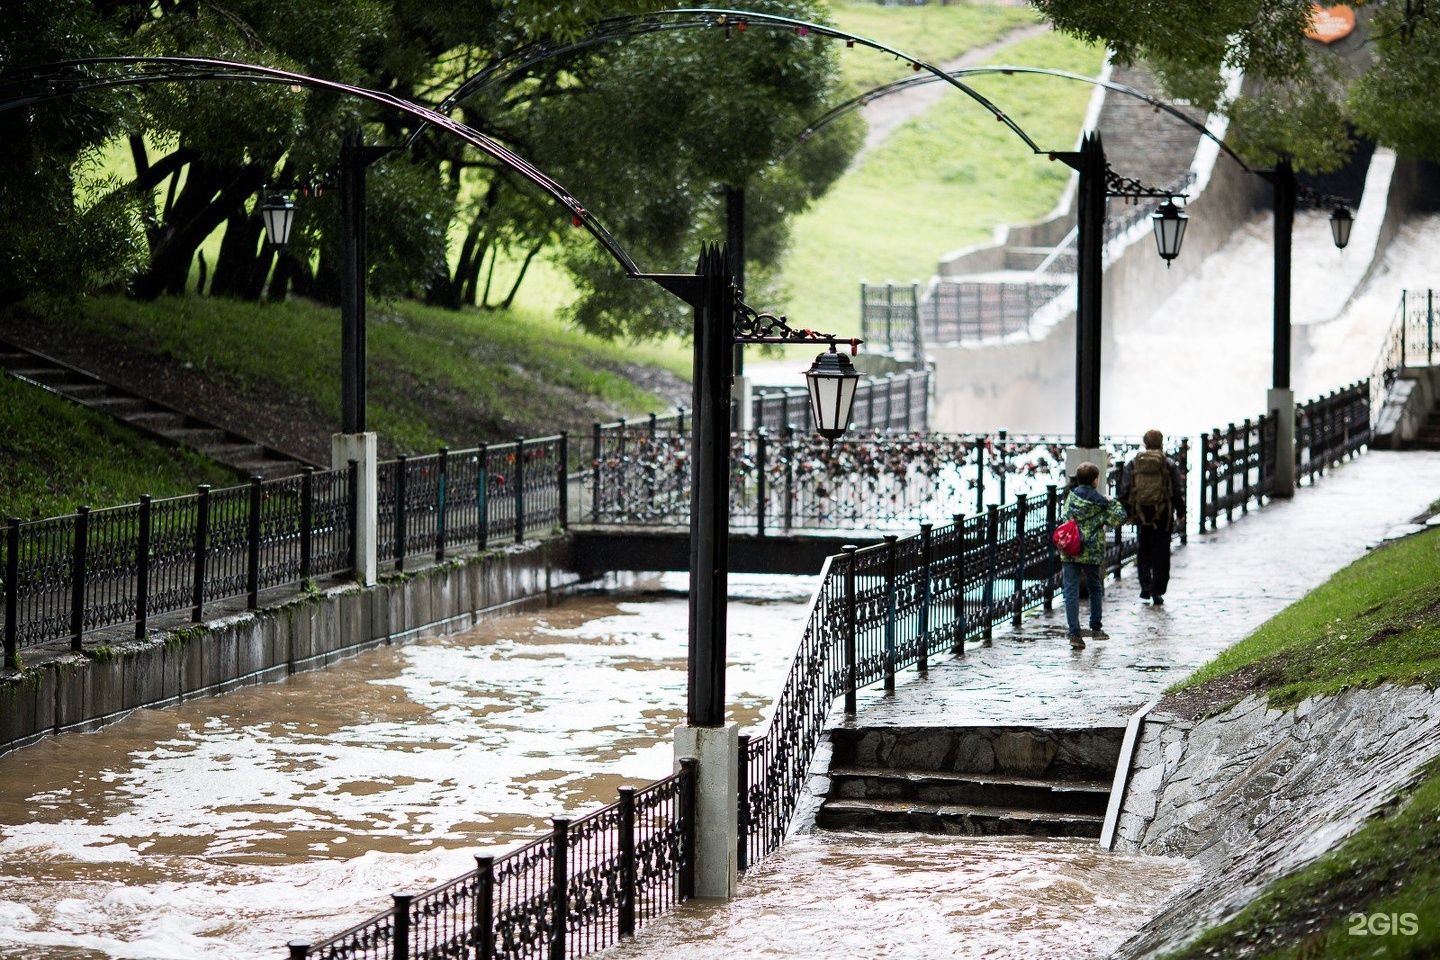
x=1092, y=511
x=1153, y=491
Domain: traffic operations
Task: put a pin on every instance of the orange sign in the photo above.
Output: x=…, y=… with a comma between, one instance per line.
x=1328, y=24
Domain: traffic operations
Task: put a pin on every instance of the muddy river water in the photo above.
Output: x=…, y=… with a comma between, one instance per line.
x=226, y=826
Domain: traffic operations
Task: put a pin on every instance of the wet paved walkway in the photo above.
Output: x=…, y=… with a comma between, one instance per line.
x=1223, y=585
x=828, y=894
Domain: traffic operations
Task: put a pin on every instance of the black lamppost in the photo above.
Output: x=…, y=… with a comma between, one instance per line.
x=1281, y=398
x=1097, y=184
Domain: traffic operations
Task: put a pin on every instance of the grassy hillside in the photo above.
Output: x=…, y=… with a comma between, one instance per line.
x=435, y=376
x=940, y=182
x=1377, y=621
x=56, y=456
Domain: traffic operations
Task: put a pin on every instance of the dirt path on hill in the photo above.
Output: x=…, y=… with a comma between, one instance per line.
x=884, y=116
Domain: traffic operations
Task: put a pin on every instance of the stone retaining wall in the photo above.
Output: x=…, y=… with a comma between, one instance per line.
x=85, y=691
x=1253, y=794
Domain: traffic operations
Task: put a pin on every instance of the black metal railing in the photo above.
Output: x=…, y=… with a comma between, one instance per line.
x=1238, y=464
x=887, y=607
x=569, y=893
x=98, y=569
x=1409, y=342
x=892, y=402
x=639, y=473
x=1331, y=428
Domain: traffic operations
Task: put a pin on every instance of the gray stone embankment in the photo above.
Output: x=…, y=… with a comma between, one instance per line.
x=1253, y=794
x=59, y=691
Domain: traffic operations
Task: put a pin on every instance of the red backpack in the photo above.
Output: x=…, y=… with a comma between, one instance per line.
x=1067, y=538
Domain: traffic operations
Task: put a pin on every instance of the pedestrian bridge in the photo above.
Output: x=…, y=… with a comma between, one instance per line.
x=598, y=549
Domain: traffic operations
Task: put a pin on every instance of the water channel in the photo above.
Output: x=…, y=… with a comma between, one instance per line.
x=225, y=827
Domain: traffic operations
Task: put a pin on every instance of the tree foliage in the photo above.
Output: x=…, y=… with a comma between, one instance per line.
x=647, y=132
x=1302, y=100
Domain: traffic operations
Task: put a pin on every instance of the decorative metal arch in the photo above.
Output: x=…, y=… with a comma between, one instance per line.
x=905, y=83
x=509, y=65
x=71, y=78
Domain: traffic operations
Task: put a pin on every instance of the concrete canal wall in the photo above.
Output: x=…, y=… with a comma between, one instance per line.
x=1253, y=794
x=62, y=691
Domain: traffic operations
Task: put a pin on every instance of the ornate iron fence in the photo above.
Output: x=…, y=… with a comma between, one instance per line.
x=1410, y=341
x=575, y=890
x=96, y=569
x=1237, y=464
x=639, y=473
x=886, y=607
x=1331, y=428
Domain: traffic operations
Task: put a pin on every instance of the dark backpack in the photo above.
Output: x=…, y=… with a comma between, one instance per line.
x=1149, y=500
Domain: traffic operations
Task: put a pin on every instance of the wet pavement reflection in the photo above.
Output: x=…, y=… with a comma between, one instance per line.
x=919, y=897
x=225, y=827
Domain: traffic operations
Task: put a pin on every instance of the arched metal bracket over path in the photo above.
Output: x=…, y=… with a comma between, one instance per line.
x=733, y=22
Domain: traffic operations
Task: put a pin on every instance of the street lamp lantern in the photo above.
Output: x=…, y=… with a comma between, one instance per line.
x=278, y=212
x=832, y=379
x=1169, y=224
x=1340, y=223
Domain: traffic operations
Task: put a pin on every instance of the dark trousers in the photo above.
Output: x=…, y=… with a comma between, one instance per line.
x=1152, y=559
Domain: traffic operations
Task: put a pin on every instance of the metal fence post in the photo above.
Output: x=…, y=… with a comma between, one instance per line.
x=142, y=570
x=595, y=496
x=1229, y=472
x=917, y=336
x=761, y=493
x=441, y=483
x=890, y=552
x=992, y=552
x=519, y=479
x=1021, y=505
x=625, y=919
x=307, y=522
x=1245, y=476
x=980, y=475
x=252, y=545
x=958, y=647
x=563, y=478
x=1052, y=511
x=482, y=495
x=402, y=518
x=926, y=547
x=742, y=799
x=78, y=574
x=201, y=551
x=1185, y=473
x=849, y=662
x=400, y=946
x=1429, y=327
x=689, y=766
x=484, y=933
x=12, y=590
x=560, y=887
x=789, y=440
x=1002, y=457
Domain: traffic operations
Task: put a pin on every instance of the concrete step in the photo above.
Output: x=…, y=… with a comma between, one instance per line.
x=269, y=469
x=894, y=816
x=987, y=790
x=1075, y=754
x=234, y=453
x=156, y=420
x=118, y=406
x=197, y=436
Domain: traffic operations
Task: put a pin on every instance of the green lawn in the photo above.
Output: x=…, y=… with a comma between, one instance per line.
x=436, y=376
x=933, y=32
x=941, y=182
x=56, y=456
x=1376, y=621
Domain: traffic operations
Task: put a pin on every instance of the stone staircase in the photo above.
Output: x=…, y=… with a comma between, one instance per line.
x=1428, y=436
x=248, y=458
x=978, y=781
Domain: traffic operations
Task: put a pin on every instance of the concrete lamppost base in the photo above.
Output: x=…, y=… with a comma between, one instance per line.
x=1074, y=456
x=717, y=823
x=1280, y=401
x=361, y=447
